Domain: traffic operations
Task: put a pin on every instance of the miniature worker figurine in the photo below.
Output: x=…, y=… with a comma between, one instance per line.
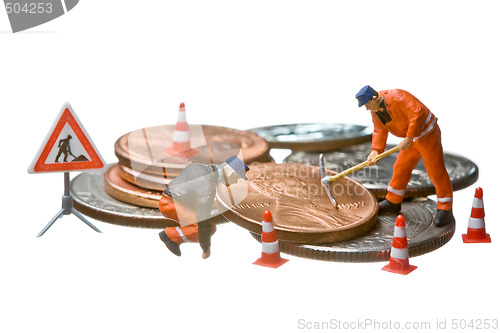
x=189, y=200
x=403, y=115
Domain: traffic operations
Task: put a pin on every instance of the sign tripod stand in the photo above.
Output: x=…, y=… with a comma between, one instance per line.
x=67, y=208
x=57, y=143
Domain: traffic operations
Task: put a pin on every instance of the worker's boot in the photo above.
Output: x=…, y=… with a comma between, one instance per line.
x=171, y=245
x=443, y=217
x=387, y=207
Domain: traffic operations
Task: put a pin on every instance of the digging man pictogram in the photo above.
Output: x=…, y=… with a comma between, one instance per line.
x=64, y=148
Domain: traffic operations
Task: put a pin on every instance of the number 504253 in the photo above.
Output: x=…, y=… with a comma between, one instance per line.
x=29, y=8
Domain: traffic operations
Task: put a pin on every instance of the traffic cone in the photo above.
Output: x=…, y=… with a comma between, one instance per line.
x=399, y=262
x=270, y=246
x=181, y=140
x=476, y=232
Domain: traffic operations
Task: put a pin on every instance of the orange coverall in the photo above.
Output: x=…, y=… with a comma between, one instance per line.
x=182, y=234
x=408, y=117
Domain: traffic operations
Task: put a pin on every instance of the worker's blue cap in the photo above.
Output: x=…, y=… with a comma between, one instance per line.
x=238, y=166
x=365, y=94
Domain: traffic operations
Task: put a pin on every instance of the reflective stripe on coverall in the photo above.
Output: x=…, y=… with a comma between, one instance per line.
x=181, y=234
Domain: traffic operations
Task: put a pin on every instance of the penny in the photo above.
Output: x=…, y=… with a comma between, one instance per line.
x=122, y=190
x=462, y=171
x=144, y=149
x=376, y=245
x=91, y=199
x=302, y=211
x=314, y=136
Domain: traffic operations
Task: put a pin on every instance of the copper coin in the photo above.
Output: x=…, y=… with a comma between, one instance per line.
x=314, y=136
x=462, y=171
x=122, y=190
x=90, y=198
x=144, y=149
x=299, y=203
x=376, y=244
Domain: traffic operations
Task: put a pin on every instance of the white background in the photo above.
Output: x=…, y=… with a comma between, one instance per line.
x=125, y=65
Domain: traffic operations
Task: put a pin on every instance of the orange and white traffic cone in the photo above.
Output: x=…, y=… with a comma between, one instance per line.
x=270, y=246
x=476, y=232
x=181, y=140
x=399, y=261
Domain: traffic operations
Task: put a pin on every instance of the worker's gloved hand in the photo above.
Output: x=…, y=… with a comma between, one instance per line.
x=405, y=143
x=371, y=158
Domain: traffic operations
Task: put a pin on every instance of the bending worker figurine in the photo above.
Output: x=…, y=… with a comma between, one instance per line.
x=189, y=200
x=403, y=115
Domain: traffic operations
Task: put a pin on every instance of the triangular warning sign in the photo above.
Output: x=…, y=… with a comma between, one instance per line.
x=67, y=147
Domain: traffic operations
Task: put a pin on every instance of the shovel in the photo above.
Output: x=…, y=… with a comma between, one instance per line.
x=328, y=180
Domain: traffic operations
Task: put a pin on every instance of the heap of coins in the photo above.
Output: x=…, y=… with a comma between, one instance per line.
x=146, y=166
x=127, y=193
x=307, y=223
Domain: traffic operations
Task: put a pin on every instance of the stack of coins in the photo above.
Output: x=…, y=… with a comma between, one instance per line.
x=146, y=165
x=307, y=222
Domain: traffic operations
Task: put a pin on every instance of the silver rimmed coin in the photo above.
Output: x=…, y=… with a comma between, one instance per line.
x=423, y=237
x=463, y=172
x=314, y=136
